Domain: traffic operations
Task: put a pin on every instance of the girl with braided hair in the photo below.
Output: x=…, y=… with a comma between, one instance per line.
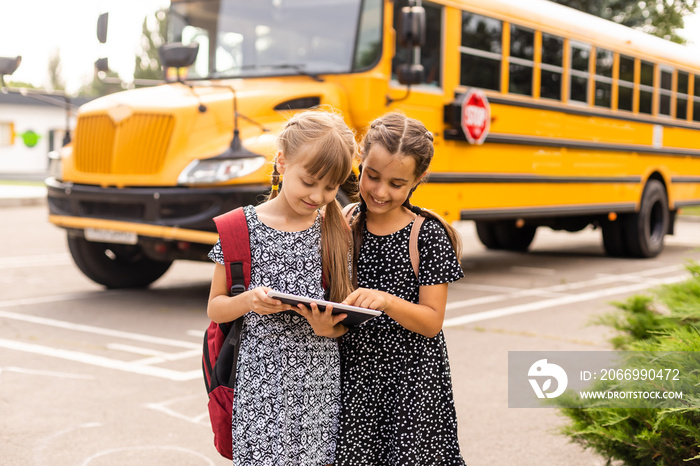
x=397, y=402
x=287, y=403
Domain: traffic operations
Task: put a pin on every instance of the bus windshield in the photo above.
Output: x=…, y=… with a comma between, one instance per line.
x=244, y=38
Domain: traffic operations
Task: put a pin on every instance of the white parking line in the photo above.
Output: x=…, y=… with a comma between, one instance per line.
x=101, y=361
x=537, y=306
x=165, y=408
x=556, y=290
x=99, y=330
x=167, y=357
x=61, y=375
x=142, y=366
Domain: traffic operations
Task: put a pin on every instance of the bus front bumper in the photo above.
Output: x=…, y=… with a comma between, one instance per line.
x=168, y=213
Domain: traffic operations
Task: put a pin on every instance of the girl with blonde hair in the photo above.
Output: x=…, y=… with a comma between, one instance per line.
x=287, y=394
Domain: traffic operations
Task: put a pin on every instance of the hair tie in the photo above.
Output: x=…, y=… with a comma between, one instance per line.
x=275, y=187
x=416, y=210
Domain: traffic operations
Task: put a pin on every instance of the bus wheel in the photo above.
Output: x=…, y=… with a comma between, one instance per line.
x=487, y=234
x=505, y=235
x=646, y=229
x=115, y=265
x=614, y=241
x=512, y=238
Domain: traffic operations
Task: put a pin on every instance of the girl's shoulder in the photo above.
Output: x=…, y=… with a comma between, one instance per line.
x=438, y=261
x=251, y=216
x=431, y=228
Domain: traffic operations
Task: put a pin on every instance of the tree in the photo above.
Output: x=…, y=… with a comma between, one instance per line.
x=661, y=18
x=147, y=62
x=100, y=86
x=56, y=81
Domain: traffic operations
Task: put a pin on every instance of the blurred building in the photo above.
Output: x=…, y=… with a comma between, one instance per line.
x=32, y=125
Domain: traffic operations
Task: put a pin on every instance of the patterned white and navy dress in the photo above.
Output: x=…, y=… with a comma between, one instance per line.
x=397, y=402
x=287, y=396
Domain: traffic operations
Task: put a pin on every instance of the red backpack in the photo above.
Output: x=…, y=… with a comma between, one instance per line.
x=222, y=341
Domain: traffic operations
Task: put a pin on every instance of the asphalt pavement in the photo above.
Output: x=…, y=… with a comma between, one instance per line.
x=490, y=432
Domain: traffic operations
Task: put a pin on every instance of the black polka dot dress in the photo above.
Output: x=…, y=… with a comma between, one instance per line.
x=397, y=403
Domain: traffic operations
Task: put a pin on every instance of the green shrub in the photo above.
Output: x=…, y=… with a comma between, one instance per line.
x=670, y=322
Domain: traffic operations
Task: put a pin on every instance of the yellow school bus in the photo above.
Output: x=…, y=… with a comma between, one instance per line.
x=543, y=117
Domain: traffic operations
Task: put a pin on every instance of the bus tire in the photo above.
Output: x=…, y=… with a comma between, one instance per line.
x=487, y=234
x=513, y=238
x=614, y=241
x=645, y=230
x=115, y=265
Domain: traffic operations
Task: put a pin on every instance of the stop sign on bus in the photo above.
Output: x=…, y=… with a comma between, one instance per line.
x=476, y=116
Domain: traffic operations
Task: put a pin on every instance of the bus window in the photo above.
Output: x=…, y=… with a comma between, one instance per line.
x=552, y=60
x=682, y=96
x=603, y=78
x=481, y=52
x=431, y=52
x=665, y=92
x=696, y=100
x=369, y=37
x=625, y=89
x=580, y=54
x=646, y=87
x=522, y=49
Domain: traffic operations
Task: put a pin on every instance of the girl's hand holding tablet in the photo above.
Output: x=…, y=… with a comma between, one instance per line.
x=261, y=303
x=324, y=322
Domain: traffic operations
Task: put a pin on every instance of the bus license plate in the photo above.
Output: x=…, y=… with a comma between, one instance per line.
x=110, y=236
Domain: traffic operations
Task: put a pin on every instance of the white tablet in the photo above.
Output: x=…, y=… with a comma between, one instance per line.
x=356, y=315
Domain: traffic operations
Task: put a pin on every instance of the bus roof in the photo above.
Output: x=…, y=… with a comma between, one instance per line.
x=567, y=22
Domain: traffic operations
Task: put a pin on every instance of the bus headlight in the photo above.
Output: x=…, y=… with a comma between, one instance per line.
x=55, y=164
x=218, y=170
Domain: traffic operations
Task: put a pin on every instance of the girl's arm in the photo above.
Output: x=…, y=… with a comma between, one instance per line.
x=424, y=318
x=224, y=308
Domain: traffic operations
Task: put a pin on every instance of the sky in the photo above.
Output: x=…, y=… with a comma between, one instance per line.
x=34, y=29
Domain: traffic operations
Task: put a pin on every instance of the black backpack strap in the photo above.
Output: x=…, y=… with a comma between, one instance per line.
x=235, y=245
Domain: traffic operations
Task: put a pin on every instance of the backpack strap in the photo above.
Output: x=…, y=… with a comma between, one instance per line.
x=348, y=211
x=413, y=243
x=235, y=244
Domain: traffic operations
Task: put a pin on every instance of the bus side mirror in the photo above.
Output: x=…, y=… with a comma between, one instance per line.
x=7, y=67
x=176, y=55
x=410, y=74
x=102, y=21
x=412, y=26
x=102, y=64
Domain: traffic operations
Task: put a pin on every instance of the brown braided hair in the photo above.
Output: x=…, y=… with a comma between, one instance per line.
x=407, y=137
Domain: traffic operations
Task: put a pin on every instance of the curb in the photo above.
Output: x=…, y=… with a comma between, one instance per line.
x=22, y=202
x=688, y=218
x=19, y=196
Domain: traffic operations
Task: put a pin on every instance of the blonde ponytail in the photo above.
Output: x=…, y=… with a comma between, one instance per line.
x=336, y=245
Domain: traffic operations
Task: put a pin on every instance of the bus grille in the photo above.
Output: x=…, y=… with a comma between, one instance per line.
x=134, y=146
